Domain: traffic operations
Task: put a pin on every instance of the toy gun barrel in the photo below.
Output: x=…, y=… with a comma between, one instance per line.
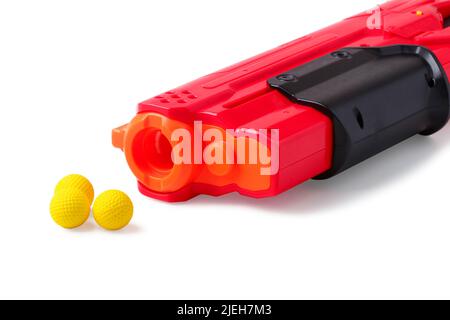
x=311, y=108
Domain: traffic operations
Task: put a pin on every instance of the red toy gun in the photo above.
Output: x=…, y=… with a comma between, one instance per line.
x=311, y=108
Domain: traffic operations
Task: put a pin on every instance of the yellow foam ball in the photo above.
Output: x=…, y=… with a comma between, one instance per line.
x=113, y=210
x=70, y=208
x=76, y=181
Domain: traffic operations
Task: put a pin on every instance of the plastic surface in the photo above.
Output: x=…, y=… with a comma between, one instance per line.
x=239, y=96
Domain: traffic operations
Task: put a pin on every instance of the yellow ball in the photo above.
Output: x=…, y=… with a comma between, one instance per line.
x=76, y=181
x=70, y=208
x=113, y=210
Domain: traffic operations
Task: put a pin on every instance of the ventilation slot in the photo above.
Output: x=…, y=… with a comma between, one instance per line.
x=444, y=9
x=447, y=22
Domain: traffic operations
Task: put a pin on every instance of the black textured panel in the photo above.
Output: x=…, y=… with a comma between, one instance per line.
x=376, y=97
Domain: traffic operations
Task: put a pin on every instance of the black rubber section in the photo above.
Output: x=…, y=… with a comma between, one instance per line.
x=376, y=97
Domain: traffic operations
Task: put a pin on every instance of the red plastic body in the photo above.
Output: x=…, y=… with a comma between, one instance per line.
x=239, y=97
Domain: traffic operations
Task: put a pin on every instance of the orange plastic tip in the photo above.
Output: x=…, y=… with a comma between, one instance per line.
x=148, y=146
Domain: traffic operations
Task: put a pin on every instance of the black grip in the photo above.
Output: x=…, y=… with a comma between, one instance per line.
x=376, y=97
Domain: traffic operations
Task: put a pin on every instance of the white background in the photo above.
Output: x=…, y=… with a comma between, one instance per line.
x=70, y=71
